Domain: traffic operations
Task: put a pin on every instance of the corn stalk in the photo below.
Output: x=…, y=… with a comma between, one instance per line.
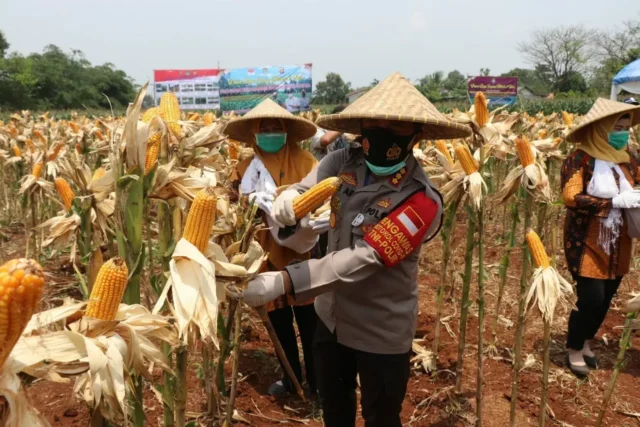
x=481, y=278
x=236, y=363
x=545, y=372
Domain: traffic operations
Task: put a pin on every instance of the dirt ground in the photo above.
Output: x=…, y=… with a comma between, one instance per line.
x=430, y=400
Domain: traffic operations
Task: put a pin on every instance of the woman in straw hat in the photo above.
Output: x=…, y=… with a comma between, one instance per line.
x=598, y=181
x=366, y=286
x=274, y=134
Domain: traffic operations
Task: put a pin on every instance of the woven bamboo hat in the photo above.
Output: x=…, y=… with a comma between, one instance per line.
x=602, y=109
x=242, y=128
x=395, y=98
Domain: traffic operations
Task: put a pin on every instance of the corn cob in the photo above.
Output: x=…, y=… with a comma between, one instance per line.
x=16, y=151
x=13, y=132
x=524, y=151
x=153, y=149
x=538, y=253
x=66, y=193
x=170, y=111
x=108, y=290
x=37, y=170
x=441, y=146
x=201, y=218
x=38, y=134
x=482, y=113
x=78, y=148
x=208, y=118
x=74, y=127
x=567, y=119
x=56, y=151
x=98, y=133
x=466, y=159
x=21, y=283
x=99, y=173
x=194, y=117
x=542, y=134
x=232, y=147
x=314, y=197
x=29, y=143
x=150, y=114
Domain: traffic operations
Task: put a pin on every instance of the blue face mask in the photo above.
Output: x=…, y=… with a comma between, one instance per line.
x=619, y=139
x=385, y=170
x=271, y=142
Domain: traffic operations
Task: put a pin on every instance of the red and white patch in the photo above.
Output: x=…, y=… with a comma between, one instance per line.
x=402, y=231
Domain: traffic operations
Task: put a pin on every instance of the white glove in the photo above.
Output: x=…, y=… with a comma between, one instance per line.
x=319, y=225
x=263, y=199
x=282, y=213
x=265, y=287
x=627, y=200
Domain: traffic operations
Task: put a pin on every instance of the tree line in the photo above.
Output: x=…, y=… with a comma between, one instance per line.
x=568, y=61
x=55, y=79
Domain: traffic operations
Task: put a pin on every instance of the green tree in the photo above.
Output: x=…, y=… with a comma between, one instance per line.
x=531, y=79
x=615, y=49
x=333, y=90
x=455, y=85
x=485, y=72
x=4, y=45
x=432, y=85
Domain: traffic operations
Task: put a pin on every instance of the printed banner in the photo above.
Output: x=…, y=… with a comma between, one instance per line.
x=195, y=89
x=241, y=89
x=498, y=90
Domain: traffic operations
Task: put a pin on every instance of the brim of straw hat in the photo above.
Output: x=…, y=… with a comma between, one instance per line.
x=602, y=109
x=395, y=99
x=297, y=128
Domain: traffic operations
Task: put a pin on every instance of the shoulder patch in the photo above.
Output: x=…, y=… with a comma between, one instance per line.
x=397, y=235
x=397, y=178
x=349, y=178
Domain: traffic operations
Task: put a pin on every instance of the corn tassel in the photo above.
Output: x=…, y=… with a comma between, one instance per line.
x=567, y=119
x=524, y=151
x=201, y=218
x=150, y=114
x=66, y=193
x=170, y=110
x=481, y=110
x=208, y=118
x=153, y=149
x=441, y=146
x=37, y=170
x=108, y=290
x=21, y=283
x=314, y=197
x=466, y=159
x=16, y=151
x=538, y=253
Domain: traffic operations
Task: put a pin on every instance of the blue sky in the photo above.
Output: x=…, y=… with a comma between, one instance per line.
x=359, y=39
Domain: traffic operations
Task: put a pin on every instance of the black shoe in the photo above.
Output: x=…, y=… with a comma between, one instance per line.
x=591, y=361
x=578, y=371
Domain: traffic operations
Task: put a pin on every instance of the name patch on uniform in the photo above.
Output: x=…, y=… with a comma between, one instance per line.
x=397, y=235
x=349, y=178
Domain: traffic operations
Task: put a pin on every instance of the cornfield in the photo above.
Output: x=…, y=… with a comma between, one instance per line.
x=139, y=215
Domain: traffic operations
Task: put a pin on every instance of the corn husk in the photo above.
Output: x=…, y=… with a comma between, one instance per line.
x=548, y=289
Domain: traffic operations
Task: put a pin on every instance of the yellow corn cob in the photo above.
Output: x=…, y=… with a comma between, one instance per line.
x=74, y=127
x=441, y=146
x=567, y=119
x=524, y=151
x=16, y=151
x=66, y=193
x=482, y=113
x=99, y=173
x=314, y=197
x=170, y=111
x=194, y=117
x=542, y=134
x=98, y=133
x=38, y=134
x=153, y=149
x=466, y=159
x=37, y=170
x=201, y=218
x=29, y=143
x=108, y=290
x=208, y=118
x=232, y=148
x=539, y=255
x=56, y=151
x=150, y=114
x=13, y=132
x=21, y=283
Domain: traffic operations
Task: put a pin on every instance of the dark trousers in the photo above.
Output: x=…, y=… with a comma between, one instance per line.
x=594, y=299
x=306, y=318
x=383, y=383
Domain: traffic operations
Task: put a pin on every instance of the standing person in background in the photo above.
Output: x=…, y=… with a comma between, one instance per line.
x=366, y=286
x=597, y=187
x=274, y=134
x=326, y=141
x=304, y=101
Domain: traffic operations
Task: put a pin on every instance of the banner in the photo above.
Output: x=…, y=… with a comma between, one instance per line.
x=498, y=90
x=195, y=89
x=241, y=89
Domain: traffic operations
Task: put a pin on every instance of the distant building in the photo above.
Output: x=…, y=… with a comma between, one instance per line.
x=525, y=93
x=352, y=96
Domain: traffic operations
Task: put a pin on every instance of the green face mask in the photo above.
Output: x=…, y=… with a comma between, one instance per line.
x=619, y=140
x=385, y=170
x=271, y=142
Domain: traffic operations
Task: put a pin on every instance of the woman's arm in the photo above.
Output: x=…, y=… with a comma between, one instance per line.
x=574, y=193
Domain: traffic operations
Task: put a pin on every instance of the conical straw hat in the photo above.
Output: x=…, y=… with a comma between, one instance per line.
x=602, y=109
x=297, y=128
x=395, y=98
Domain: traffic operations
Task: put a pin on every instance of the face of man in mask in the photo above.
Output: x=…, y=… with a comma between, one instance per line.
x=387, y=144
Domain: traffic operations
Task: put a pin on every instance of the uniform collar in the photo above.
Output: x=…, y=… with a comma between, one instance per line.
x=395, y=182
